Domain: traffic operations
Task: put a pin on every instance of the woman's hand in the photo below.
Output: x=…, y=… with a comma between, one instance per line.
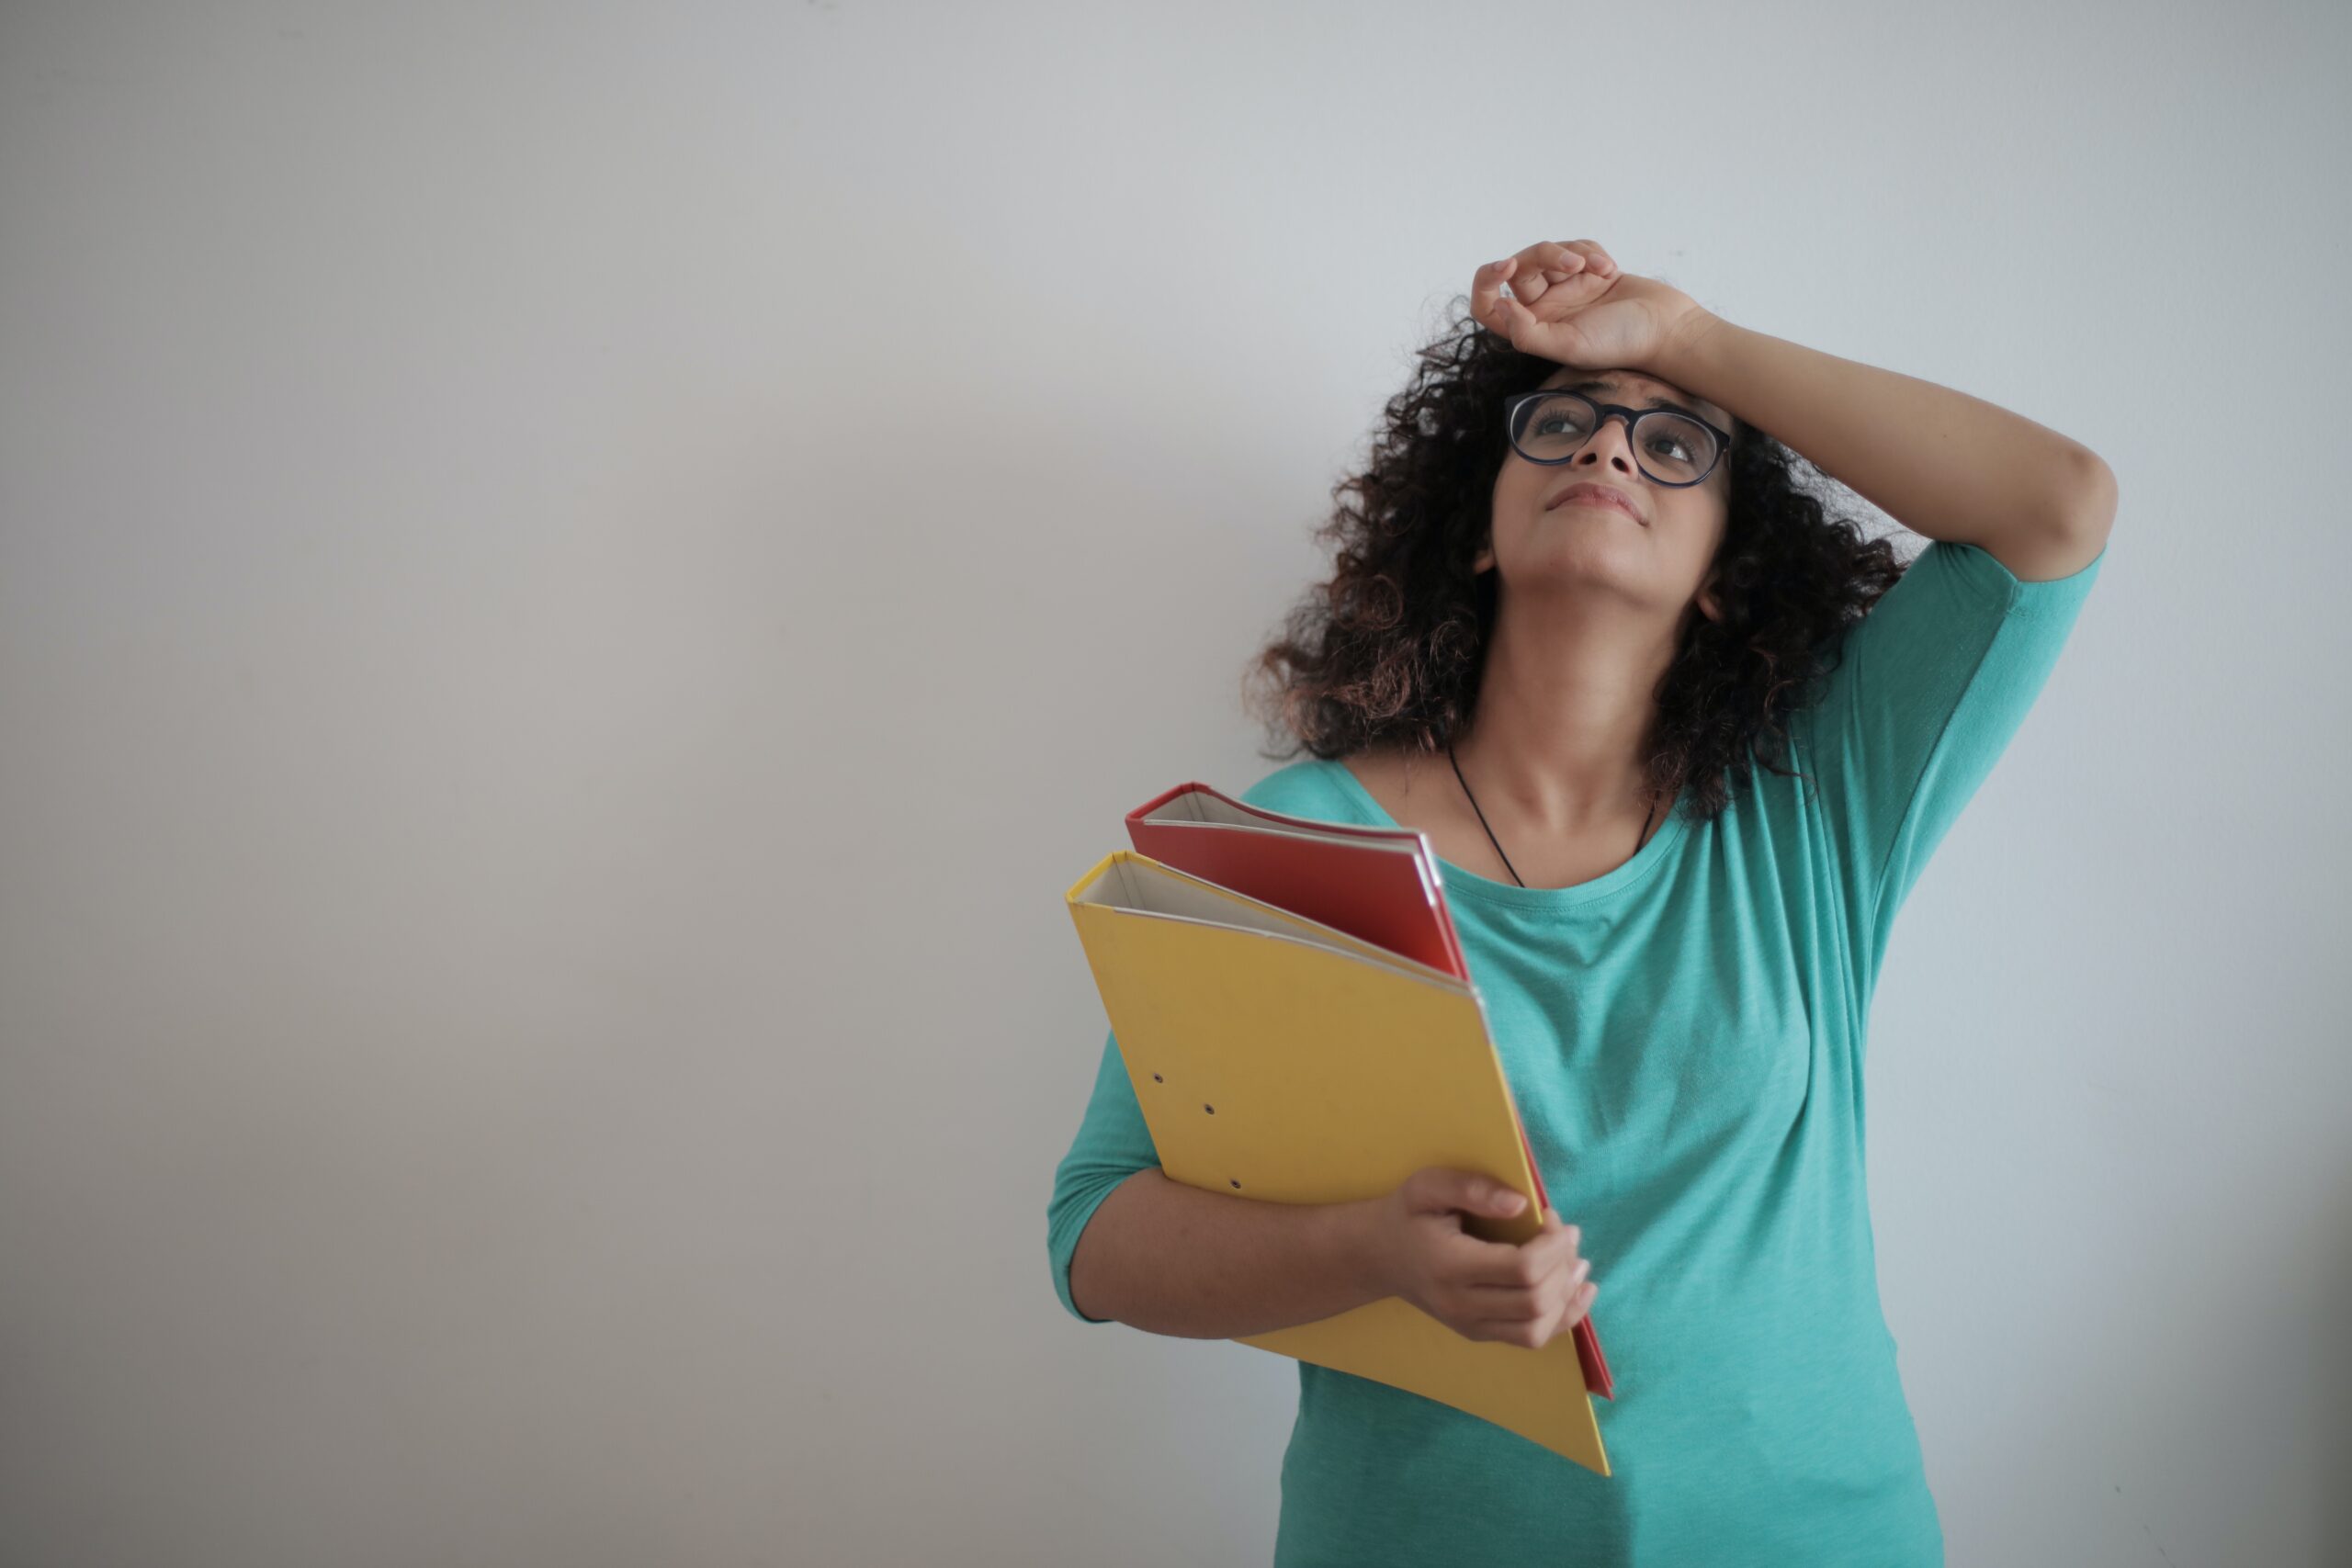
x=1521, y=1295
x=1574, y=306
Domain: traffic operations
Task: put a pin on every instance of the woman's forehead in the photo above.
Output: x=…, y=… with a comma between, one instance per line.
x=1634, y=387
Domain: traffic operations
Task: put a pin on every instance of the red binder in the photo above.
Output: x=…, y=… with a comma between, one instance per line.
x=1382, y=886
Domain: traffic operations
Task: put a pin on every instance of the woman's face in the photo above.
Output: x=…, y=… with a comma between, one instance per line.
x=1660, y=553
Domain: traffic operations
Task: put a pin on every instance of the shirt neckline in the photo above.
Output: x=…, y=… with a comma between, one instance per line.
x=1462, y=883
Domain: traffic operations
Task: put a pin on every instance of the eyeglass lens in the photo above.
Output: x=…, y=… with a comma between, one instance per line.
x=1668, y=446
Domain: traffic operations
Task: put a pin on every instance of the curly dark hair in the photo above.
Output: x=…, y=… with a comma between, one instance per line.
x=1390, y=650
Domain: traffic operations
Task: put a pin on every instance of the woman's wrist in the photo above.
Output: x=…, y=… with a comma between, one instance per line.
x=1685, y=344
x=1363, y=1231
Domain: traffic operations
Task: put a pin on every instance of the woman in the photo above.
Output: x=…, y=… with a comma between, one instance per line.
x=1683, y=742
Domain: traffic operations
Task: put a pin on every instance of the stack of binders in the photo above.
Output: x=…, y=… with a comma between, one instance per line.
x=1291, y=1005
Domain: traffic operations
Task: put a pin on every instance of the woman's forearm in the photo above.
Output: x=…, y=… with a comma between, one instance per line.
x=1169, y=1258
x=1940, y=462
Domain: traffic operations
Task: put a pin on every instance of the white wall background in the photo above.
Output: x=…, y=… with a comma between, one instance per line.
x=576, y=582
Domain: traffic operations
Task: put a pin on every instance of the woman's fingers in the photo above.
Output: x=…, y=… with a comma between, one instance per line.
x=1542, y=267
x=1487, y=301
x=1579, y=1303
x=1574, y=1305
x=1558, y=257
x=1484, y=290
x=1525, y=1294
x=1601, y=263
x=1548, y=282
x=1499, y=1265
x=1539, y=1328
x=1531, y=273
x=1546, y=1295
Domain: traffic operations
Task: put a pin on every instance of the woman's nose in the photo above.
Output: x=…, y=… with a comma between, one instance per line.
x=1613, y=442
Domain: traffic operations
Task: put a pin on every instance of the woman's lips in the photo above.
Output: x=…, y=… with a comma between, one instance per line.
x=1598, y=495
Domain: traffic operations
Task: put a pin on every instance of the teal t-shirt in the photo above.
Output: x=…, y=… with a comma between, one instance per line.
x=1684, y=1037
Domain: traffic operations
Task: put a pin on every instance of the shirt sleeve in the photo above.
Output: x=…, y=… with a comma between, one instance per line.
x=1933, y=682
x=1113, y=1143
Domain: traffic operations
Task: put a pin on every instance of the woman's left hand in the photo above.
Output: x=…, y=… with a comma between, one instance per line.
x=1573, y=305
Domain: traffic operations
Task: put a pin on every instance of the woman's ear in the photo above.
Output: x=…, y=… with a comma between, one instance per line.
x=1484, y=561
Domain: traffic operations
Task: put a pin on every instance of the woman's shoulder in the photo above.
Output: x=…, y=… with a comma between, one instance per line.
x=1372, y=787
x=1311, y=786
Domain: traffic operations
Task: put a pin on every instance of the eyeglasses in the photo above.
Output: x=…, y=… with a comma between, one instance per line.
x=1673, y=449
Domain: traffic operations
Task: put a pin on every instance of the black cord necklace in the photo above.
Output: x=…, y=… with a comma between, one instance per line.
x=1498, y=842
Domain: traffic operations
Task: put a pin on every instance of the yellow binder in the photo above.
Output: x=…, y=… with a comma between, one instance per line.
x=1280, y=1060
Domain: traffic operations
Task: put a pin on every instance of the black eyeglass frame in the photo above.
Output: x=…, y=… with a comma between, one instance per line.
x=1601, y=415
